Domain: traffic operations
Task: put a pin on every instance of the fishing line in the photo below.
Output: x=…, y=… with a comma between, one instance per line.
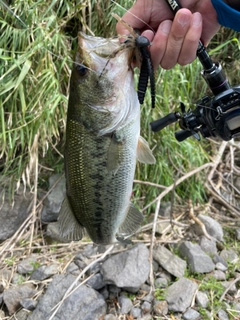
x=134, y=15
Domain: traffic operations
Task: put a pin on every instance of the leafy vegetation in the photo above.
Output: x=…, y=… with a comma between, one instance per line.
x=37, y=41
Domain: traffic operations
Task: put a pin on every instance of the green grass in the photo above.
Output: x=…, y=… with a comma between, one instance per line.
x=36, y=48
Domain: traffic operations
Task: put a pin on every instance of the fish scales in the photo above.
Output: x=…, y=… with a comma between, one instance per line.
x=102, y=138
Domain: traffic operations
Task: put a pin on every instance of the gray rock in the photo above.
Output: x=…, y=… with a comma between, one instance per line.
x=18, y=278
x=202, y=299
x=237, y=232
x=1, y=298
x=15, y=294
x=229, y=255
x=219, y=275
x=27, y=266
x=220, y=266
x=129, y=269
x=12, y=216
x=22, y=314
x=198, y=260
x=136, y=313
x=125, y=304
x=96, y=282
x=229, y=284
x=191, y=314
x=173, y=264
x=217, y=259
x=109, y=317
x=73, y=269
x=222, y=315
x=53, y=232
x=208, y=246
x=29, y=304
x=213, y=227
x=180, y=294
x=104, y=292
x=160, y=308
x=161, y=283
x=146, y=307
x=52, y=203
x=149, y=298
x=44, y=272
x=84, y=303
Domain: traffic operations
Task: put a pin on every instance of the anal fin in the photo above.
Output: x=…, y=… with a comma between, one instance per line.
x=144, y=154
x=69, y=227
x=132, y=221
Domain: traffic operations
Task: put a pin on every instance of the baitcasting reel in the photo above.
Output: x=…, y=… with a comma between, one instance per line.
x=217, y=116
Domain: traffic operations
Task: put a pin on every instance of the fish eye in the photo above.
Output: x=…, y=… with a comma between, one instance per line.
x=142, y=41
x=81, y=69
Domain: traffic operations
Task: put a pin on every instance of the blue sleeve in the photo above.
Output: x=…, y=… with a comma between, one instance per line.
x=227, y=16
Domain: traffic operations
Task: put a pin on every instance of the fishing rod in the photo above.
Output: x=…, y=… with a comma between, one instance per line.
x=213, y=116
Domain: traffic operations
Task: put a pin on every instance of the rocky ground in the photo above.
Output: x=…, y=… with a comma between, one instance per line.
x=189, y=270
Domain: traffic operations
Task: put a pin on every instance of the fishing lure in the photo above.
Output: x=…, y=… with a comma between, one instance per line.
x=141, y=43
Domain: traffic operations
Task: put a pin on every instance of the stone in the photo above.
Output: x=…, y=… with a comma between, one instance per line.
x=160, y=307
x=136, y=313
x=213, y=227
x=197, y=260
x=29, y=304
x=14, y=214
x=96, y=281
x=161, y=283
x=83, y=303
x=208, y=245
x=171, y=263
x=22, y=314
x=219, y=275
x=73, y=269
x=129, y=269
x=45, y=272
x=109, y=317
x=202, y=299
x=229, y=284
x=191, y=314
x=222, y=315
x=216, y=259
x=229, y=255
x=146, y=307
x=15, y=294
x=125, y=304
x=27, y=266
x=53, y=201
x=220, y=266
x=180, y=294
x=237, y=232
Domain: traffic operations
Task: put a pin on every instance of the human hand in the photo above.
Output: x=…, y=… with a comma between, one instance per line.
x=172, y=41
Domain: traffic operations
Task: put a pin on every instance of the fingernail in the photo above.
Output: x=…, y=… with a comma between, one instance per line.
x=183, y=19
x=165, y=26
x=197, y=19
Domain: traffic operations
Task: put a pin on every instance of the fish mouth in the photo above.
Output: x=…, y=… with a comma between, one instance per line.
x=104, y=55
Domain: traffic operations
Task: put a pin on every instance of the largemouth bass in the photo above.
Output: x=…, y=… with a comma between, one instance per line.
x=102, y=144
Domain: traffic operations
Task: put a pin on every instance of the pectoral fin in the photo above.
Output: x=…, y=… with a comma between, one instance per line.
x=144, y=154
x=114, y=154
x=132, y=221
x=69, y=227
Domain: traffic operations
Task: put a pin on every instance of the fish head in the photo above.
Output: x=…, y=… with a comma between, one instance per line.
x=102, y=83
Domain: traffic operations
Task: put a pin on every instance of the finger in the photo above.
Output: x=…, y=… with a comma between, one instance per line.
x=179, y=29
x=191, y=40
x=159, y=43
